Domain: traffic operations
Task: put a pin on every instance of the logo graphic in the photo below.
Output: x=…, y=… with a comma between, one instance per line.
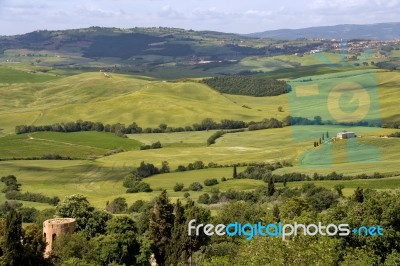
x=340, y=100
x=249, y=231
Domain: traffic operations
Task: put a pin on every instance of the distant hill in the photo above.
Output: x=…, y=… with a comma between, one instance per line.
x=379, y=31
x=97, y=42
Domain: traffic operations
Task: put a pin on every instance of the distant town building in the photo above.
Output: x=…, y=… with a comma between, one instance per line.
x=53, y=228
x=345, y=135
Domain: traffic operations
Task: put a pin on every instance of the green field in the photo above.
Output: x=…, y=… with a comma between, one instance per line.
x=10, y=75
x=75, y=145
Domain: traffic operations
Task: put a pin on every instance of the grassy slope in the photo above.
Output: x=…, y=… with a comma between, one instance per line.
x=10, y=75
x=124, y=99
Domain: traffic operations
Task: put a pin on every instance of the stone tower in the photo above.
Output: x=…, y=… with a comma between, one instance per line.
x=55, y=227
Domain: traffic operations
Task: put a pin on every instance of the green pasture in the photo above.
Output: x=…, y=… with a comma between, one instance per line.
x=10, y=75
x=177, y=138
x=75, y=145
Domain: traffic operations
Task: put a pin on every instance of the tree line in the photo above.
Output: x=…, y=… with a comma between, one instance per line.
x=264, y=172
x=206, y=124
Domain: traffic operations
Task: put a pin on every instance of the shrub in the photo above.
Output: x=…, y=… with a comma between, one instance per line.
x=139, y=186
x=181, y=168
x=178, y=187
x=118, y=205
x=136, y=206
x=214, y=198
x=210, y=182
x=204, y=199
x=195, y=186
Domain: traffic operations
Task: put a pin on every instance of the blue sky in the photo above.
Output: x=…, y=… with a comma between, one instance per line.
x=245, y=16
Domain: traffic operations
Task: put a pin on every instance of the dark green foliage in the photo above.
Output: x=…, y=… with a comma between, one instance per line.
x=271, y=187
x=234, y=175
x=118, y=205
x=73, y=249
x=161, y=224
x=178, y=187
x=204, y=198
x=195, y=186
x=44, y=215
x=28, y=214
x=319, y=197
x=259, y=171
x=78, y=207
x=11, y=183
x=213, y=137
x=139, y=186
x=265, y=124
x=145, y=170
x=276, y=213
x=34, y=246
x=198, y=165
x=96, y=224
x=182, y=246
x=12, y=247
x=164, y=167
x=248, y=85
x=131, y=44
x=394, y=135
x=339, y=188
x=155, y=145
x=181, y=168
x=358, y=195
x=136, y=206
x=210, y=182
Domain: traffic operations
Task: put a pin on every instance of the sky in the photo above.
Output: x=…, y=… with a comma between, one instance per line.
x=244, y=16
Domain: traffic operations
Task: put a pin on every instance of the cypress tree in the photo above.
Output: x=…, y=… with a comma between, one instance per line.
x=13, y=250
x=271, y=186
x=176, y=247
x=234, y=172
x=161, y=224
x=359, y=195
x=276, y=213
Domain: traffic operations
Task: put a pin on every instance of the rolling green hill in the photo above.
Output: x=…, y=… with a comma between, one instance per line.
x=127, y=99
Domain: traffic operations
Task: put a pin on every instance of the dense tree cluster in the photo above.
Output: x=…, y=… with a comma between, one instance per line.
x=21, y=246
x=160, y=229
x=248, y=85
